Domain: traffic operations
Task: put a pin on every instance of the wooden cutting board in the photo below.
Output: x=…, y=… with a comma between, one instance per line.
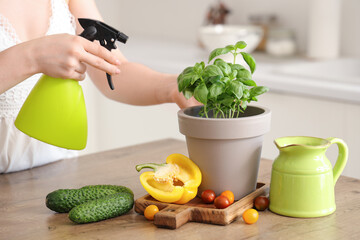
x=174, y=216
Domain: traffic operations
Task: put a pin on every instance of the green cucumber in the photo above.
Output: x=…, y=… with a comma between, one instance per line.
x=103, y=208
x=63, y=200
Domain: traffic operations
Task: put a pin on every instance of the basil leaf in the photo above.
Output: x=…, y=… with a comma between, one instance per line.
x=219, y=60
x=233, y=74
x=181, y=75
x=236, y=88
x=243, y=105
x=231, y=47
x=250, y=61
x=243, y=73
x=188, y=70
x=212, y=70
x=227, y=101
x=246, y=93
x=216, y=89
x=217, y=52
x=247, y=82
x=200, y=93
x=188, y=94
x=194, y=78
x=225, y=68
x=256, y=91
x=240, y=45
x=225, y=80
x=199, y=67
x=236, y=67
x=184, y=80
x=215, y=79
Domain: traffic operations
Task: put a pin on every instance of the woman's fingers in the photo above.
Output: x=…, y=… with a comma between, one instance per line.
x=100, y=63
x=99, y=57
x=78, y=76
x=80, y=68
x=79, y=71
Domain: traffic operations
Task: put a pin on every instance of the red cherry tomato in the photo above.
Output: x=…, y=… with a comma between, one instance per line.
x=208, y=196
x=221, y=202
x=261, y=203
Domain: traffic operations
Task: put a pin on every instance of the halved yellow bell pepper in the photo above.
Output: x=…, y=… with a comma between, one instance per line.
x=175, y=181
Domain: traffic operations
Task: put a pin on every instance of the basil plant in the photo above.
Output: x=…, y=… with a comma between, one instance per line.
x=224, y=88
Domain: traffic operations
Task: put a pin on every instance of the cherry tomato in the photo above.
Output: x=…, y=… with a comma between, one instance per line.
x=208, y=196
x=229, y=195
x=250, y=216
x=150, y=212
x=261, y=203
x=221, y=202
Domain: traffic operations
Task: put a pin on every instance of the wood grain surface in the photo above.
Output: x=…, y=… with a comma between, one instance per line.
x=23, y=214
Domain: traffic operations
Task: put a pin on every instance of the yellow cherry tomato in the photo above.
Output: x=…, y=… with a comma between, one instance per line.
x=229, y=194
x=150, y=212
x=250, y=216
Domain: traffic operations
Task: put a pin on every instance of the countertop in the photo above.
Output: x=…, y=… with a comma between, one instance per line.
x=25, y=216
x=337, y=79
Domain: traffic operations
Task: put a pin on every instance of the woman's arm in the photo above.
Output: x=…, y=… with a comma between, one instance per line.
x=15, y=66
x=136, y=84
x=66, y=60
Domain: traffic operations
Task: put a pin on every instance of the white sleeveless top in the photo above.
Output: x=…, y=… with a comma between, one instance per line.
x=17, y=150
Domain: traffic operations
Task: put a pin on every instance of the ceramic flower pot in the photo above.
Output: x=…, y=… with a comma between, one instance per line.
x=227, y=151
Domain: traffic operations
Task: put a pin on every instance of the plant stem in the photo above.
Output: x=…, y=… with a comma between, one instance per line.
x=153, y=166
x=234, y=54
x=223, y=115
x=205, y=111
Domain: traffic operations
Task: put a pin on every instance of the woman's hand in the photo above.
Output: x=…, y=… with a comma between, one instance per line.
x=65, y=55
x=181, y=101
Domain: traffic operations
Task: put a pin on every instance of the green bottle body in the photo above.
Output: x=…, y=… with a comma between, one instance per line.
x=55, y=113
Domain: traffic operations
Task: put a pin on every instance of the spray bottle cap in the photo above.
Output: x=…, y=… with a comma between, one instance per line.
x=106, y=35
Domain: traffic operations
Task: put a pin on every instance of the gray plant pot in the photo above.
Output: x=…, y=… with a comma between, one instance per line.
x=227, y=151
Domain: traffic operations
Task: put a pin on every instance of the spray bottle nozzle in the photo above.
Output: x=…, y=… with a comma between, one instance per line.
x=105, y=34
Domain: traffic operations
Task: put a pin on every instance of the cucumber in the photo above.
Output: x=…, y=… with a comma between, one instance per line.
x=63, y=200
x=103, y=208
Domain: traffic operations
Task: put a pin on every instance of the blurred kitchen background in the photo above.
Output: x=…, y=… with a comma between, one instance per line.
x=308, y=54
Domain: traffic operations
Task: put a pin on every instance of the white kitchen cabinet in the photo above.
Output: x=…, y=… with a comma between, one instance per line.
x=299, y=115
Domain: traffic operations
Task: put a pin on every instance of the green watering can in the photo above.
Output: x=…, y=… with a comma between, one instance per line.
x=303, y=179
x=55, y=112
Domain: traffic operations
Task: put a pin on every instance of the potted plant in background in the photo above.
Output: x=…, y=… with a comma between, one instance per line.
x=224, y=136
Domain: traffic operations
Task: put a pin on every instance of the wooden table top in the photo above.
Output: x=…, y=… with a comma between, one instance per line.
x=23, y=214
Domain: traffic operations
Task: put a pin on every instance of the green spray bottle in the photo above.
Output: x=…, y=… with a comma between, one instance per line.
x=55, y=112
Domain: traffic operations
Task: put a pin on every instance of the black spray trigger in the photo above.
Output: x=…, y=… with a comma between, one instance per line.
x=105, y=34
x=111, y=85
x=89, y=33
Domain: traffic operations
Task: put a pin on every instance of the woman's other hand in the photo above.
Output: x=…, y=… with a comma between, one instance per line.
x=181, y=101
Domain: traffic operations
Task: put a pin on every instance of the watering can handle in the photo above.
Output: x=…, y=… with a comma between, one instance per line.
x=342, y=158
